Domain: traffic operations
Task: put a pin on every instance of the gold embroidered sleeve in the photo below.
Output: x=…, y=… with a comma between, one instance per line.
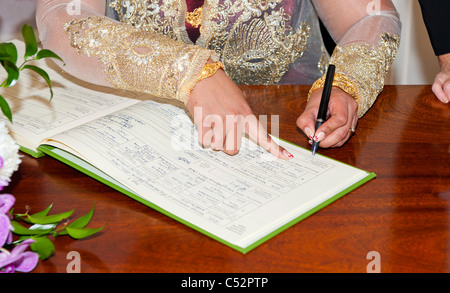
x=361, y=69
x=139, y=60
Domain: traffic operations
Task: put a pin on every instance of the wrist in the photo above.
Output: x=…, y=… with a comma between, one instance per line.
x=340, y=81
x=444, y=61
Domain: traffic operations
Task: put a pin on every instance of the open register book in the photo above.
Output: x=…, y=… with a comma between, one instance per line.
x=149, y=151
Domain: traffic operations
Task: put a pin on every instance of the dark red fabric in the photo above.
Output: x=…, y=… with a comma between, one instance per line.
x=193, y=32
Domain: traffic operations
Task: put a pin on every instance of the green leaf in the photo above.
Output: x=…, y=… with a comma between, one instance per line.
x=43, y=246
x=21, y=230
x=6, y=110
x=45, y=53
x=13, y=73
x=79, y=223
x=49, y=219
x=44, y=212
x=30, y=40
x=8, y=51
x=82, y=221
x=80, y=233
x=42, y=73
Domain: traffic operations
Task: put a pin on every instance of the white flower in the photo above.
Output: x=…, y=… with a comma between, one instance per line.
x=9, y=155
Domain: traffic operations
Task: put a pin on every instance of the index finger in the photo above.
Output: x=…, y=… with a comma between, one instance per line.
x=306, y=122
x=258, y=133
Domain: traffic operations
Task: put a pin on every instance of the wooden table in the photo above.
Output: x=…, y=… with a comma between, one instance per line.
x=403, y=214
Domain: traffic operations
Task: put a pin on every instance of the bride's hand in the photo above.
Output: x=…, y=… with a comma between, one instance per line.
x=222, y=115
x=343, y=117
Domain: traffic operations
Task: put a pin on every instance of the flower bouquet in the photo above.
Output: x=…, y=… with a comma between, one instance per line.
x=32, y=229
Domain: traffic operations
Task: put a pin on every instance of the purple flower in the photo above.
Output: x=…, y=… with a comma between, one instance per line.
x=6, y=203
x=19, y=259
x=5, y=230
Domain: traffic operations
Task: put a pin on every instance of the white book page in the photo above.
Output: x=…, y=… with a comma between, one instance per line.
x=74, y=102
x=152, y=149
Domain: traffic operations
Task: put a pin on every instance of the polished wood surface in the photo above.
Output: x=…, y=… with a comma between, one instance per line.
x=403, y=214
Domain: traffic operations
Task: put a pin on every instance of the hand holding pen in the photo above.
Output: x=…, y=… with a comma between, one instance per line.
x=335, y=123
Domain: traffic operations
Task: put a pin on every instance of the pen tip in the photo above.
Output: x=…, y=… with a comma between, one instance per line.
x=315, y=146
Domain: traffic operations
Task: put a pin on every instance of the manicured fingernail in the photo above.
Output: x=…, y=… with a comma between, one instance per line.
x=319, y=137
x=309, y=132
x=287, y=154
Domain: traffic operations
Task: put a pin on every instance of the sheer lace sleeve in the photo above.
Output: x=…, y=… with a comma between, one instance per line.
x=106, y=52
x=367, y=36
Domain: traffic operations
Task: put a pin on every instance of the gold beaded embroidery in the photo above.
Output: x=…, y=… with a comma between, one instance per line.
x=138, y=60
x=252, y=53
x=322, y=64
x=151, y=15
x=194, y=18
x=260, y=45
x=254, y=39
x=363, y=69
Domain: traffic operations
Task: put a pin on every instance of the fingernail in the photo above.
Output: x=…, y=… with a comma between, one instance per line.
x=287, y=154
x=319, y=137
x=309, y=132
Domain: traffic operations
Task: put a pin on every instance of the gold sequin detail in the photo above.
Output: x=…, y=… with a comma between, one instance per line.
x=366, y=67
x=252, y=53
x=151, y=15
x=322, y=64
x=254, y=39
x=138, y=60
x=259, y=46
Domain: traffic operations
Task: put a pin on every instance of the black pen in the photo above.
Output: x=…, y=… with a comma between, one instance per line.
x=323, y=108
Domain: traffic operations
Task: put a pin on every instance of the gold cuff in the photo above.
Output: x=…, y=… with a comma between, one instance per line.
x=340, y=81
x=209, y=70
